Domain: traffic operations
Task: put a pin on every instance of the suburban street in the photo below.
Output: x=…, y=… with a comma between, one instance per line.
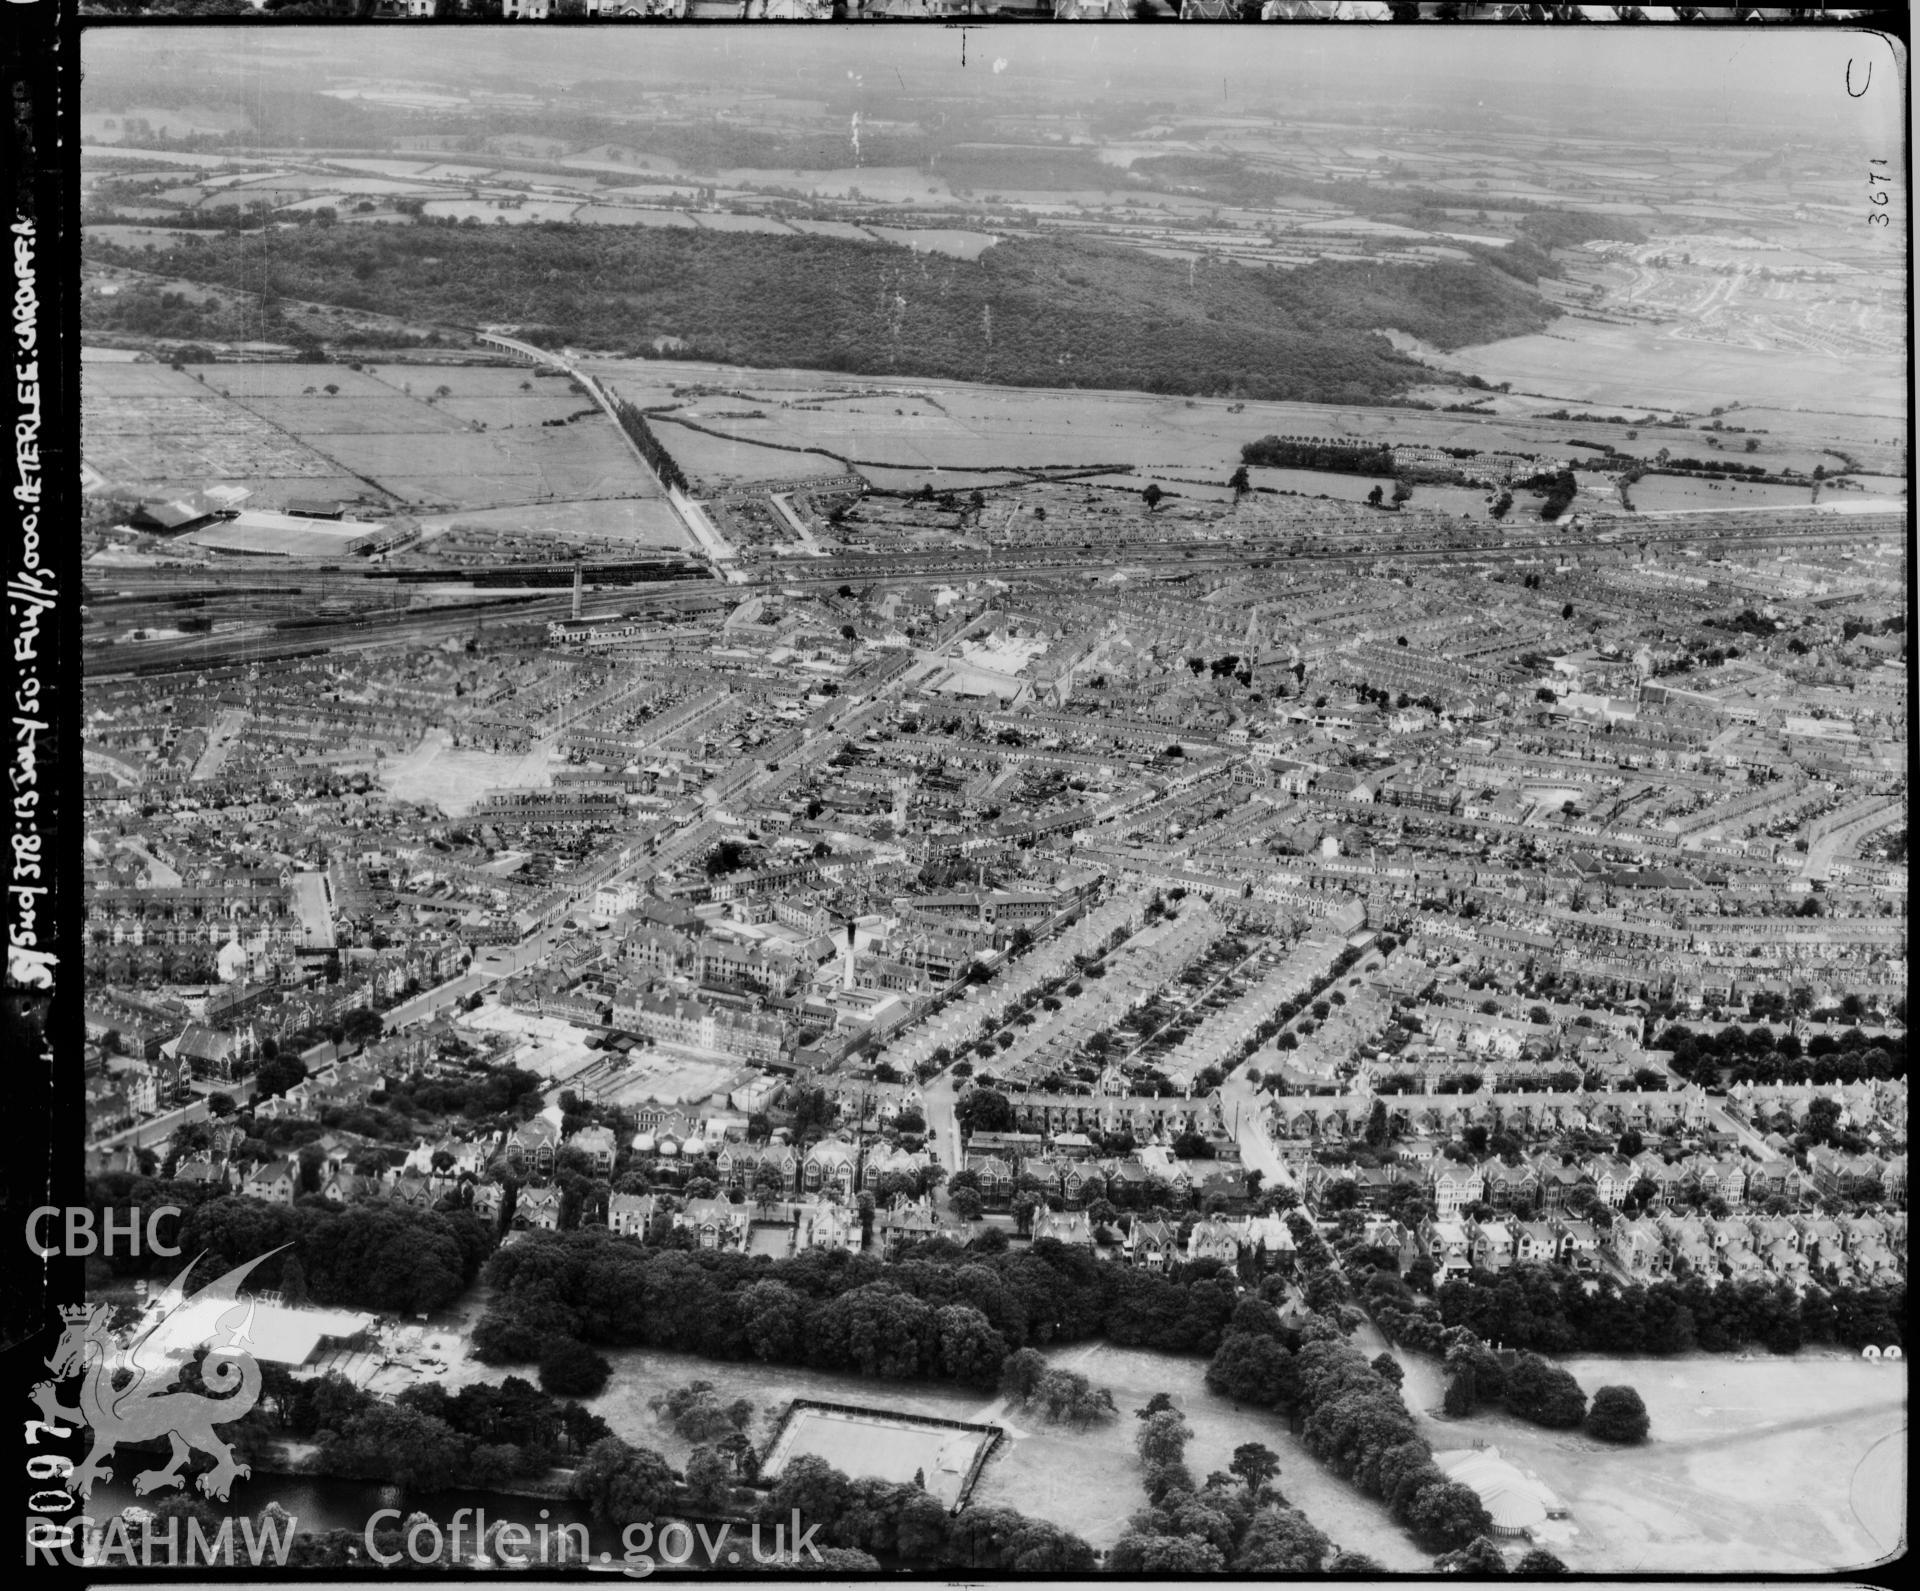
x=943, y=1126
x=1246, y=1120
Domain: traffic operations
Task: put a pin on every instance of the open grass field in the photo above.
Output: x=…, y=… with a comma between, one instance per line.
x=1085, y=1481
x=1662, y=493
x=830, y=229
x=873, y=1444
x=712, y=462
x=159, y=157
x=911, y=480
x=710, y=222
x=960, y=244
x=457, y=779
x=493, y=211
x=1636, y=367
x=647, y=523
x=1876, y=440
x=907, y=424
x=1881, y=485
x=134, y=237
x=102, y=385
x=1354, y=488
x=1089, y=1481
x=1766, y=1465
x=909, y=432
x=1788, y=1466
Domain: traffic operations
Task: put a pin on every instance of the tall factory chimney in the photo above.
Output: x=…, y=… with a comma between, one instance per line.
x=578, y=581
x=846, y=977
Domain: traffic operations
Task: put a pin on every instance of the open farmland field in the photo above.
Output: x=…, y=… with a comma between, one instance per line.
x=830, y=229
x=447, y=437
x=103, y=384
x=987, y=428
x=1354, y=489
x=620, y=215
x=385, y=168
x=907, y=432
x=711, y=462
x=1878, y=441
x=250, y=383
x=909, y=480
x=275, y=429
x=646, y=522
x=1662, y=493
x=501, y=210
x=961, y=245
x=134, y=237
x=163, y=157
x=739, y=223
x=1175, y=484
x=655, y=218
x=467, y=383
x=111, y=127
x=1632, y=367
x=887, y=184
x=463, y=468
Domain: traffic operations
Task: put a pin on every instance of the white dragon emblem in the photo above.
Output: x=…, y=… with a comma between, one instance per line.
x=146, y=1407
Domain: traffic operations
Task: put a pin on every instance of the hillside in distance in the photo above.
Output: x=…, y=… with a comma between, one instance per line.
x=1028, y=312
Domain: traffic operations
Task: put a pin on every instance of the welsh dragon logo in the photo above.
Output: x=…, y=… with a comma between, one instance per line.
x=129, y=1396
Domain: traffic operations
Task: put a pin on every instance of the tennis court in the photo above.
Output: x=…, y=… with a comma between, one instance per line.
x=894, y=1447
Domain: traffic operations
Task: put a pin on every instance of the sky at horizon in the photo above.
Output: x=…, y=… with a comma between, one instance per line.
x=1736, y=74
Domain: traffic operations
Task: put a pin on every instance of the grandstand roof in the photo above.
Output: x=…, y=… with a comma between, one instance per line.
x=1515, y=1502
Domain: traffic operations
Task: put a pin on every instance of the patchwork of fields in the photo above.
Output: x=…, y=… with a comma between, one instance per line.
x=429, y=438
x=958, y=436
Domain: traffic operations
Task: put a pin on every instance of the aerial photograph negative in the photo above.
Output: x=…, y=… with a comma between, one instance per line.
x=990, y=800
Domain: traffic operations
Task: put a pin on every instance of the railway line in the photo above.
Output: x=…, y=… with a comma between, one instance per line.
x=418, y=626
x=814, y=574
x=391, y=627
